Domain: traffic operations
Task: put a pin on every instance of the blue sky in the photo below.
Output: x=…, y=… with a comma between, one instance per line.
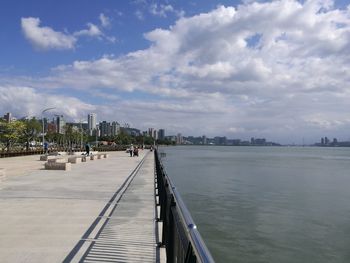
x=275, y=69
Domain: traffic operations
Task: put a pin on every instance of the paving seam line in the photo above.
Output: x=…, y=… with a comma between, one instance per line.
x=102, y=215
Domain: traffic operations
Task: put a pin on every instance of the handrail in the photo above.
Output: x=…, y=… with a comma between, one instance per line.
x=196, y=250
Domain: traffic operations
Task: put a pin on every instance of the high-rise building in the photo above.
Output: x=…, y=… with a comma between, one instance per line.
x=204, y=140
x=115, y=128
x=179, y=139
x=8, y=117
x=155, y=135
x=161, y=134
x=91, y=123
x=60, y=123
x=105, y=129
x=45, y=122
x=150, y=132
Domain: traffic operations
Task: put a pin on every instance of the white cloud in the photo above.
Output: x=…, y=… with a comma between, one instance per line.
x=105, y=20
x=162, y=10
x=22, y=101
x=92, y=31
x=139, y=14
x=45, y=37
x=274, y=69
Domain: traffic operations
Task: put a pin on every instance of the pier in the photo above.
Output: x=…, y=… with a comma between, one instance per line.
x=107, y=210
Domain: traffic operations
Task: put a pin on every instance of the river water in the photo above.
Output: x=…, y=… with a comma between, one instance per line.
x=266, y=204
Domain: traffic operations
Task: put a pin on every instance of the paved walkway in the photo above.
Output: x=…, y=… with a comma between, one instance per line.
x=55, y=216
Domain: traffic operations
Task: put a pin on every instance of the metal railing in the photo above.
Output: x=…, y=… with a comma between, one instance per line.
x=181, y=239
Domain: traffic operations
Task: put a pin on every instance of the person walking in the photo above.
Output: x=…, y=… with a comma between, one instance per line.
x=136, y=151
x=46, y=148
x=131, y=150
x=87, y=149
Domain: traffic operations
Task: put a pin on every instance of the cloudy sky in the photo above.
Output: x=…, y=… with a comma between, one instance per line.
x=241, y=69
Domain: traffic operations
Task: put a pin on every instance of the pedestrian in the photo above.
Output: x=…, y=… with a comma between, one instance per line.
x=131, y=150
x=46, y=147
x=136, y=151
x=87, y=149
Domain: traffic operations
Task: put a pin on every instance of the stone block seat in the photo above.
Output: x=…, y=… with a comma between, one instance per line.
x=58, y=166
x=75, y=159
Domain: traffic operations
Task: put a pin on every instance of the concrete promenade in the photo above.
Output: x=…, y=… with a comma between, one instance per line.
x=100, y=211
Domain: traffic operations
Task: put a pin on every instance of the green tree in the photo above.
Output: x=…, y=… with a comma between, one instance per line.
x=32, y=128
x=124, y=139
x=11, y=132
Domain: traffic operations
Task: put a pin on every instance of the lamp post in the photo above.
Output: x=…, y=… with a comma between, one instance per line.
x=81, y=134
x=42, y=119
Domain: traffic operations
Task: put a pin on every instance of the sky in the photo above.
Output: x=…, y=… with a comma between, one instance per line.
x=278, y=70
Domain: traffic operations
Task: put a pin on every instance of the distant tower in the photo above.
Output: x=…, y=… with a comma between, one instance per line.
x=326, y=141
x=150, y=132
x=8, y=117
x=161, y=134
x=60, y=124
x=105, y=129
x=115, y=128
x=91, y=123
x=179, y=139
x=204, y=139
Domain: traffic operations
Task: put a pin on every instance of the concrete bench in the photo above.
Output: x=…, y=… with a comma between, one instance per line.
x=57, y=160
x=58, y=166
x=85, y=158
x=47, y=157
x=102, y=155
x=74, y=159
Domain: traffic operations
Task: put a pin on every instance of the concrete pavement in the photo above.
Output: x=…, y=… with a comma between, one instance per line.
x=44, y=214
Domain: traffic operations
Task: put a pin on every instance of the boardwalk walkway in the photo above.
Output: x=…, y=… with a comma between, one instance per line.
x=98, y=212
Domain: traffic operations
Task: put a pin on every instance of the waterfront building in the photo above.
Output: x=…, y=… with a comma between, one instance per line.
x=161, y=134
x=60, y=123
x=51, y=127
x=8, y=117
x=44, y=120
x=131, y=131
x=204, y=139
x=179, y=139
x=150, y=132
x=326, y=141
x=155, y=135
x=105, y=129
x=115, y=128
x=220, y=140
x=91, y=123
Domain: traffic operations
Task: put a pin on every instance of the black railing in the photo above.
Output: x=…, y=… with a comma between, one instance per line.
x=181, y=239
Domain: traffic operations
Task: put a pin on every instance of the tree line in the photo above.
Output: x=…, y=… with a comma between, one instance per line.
x=26, y=134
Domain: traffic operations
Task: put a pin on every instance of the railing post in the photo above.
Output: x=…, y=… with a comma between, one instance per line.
x=180, y=237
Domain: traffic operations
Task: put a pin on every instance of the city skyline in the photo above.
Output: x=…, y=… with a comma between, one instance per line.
x=240, y=69
x=104, y=129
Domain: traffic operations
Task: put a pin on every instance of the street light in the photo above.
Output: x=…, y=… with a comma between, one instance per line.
x=42, y=119
x=81, y=133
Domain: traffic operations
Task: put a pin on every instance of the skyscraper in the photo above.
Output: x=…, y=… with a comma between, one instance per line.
x=60, y=123
x=105, y=128
x=161, y=134
x=150, y=132
x=91, y=123
x=8, y=117
x=179, y=139
x=115, y=128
